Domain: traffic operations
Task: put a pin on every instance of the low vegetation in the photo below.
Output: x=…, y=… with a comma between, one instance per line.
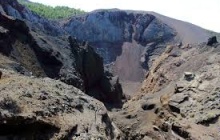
x=50, y=12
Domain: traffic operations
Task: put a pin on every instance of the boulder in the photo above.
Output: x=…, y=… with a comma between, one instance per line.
x=212, y=40
x=189, y=76
x=176, y=101
x=179, y=130
x=209, y=117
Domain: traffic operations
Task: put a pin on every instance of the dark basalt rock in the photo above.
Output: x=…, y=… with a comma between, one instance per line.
x=97, y=83
x=117, y=26
x=109, y=32
x=19, y=37
x=148, y=106
x=111, y=88
x=181, y=131
x=89, y=65
x=63, y=58
x=35, y=22
x=212, y=40
x=19, y=127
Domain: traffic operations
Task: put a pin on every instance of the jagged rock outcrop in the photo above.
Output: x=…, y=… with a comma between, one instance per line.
x=43, y=108
x=97, y=82
x=155, y=78
x=112, y=88
x=37, y=107
x=119, y=27
x=183, y=91
x=212, y=40
x=120, y=37
x=35, y=22
x=56, y=56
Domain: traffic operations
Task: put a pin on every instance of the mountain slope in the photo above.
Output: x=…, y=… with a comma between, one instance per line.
x=43, y=62
x=129, y=41
x=113, y=33
x=43, y=48
x=179, y=98
x=49, y=12
x=46, y=109
x=46, y=78
x=188, y=32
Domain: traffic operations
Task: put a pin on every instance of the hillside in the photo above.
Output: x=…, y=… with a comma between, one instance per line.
x=129, y=41
x=179, y=98
x=58, y=78
x=188, y=32
x=50, y=82
x=43, y=109
x=58, y=12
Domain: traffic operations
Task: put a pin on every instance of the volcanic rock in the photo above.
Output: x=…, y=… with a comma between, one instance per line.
x=54, y=111
x=212, y=40
x=44, y=54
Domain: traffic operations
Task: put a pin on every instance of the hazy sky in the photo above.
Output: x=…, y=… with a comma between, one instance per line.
x=205, y=13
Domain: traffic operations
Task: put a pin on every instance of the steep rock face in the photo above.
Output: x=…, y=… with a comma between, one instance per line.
x=35, y=22
x=35, y=52
x=129, y=41
x=15, y=33
x=116, y=26
x=121, y=37
x=43, y=54
x=98, y=82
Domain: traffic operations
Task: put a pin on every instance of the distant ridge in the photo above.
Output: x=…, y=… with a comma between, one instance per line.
x=188, y=32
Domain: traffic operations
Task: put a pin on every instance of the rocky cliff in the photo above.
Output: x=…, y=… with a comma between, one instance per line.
x=129, y=41
x=121, y=37
x=34, y=21
x=46, y=77
x=44, y=49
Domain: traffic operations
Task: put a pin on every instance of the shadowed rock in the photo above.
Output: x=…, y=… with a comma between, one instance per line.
x=212, y=41
x=44, y=54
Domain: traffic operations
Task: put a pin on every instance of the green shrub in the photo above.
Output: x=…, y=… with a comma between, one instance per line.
x=58, y=12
